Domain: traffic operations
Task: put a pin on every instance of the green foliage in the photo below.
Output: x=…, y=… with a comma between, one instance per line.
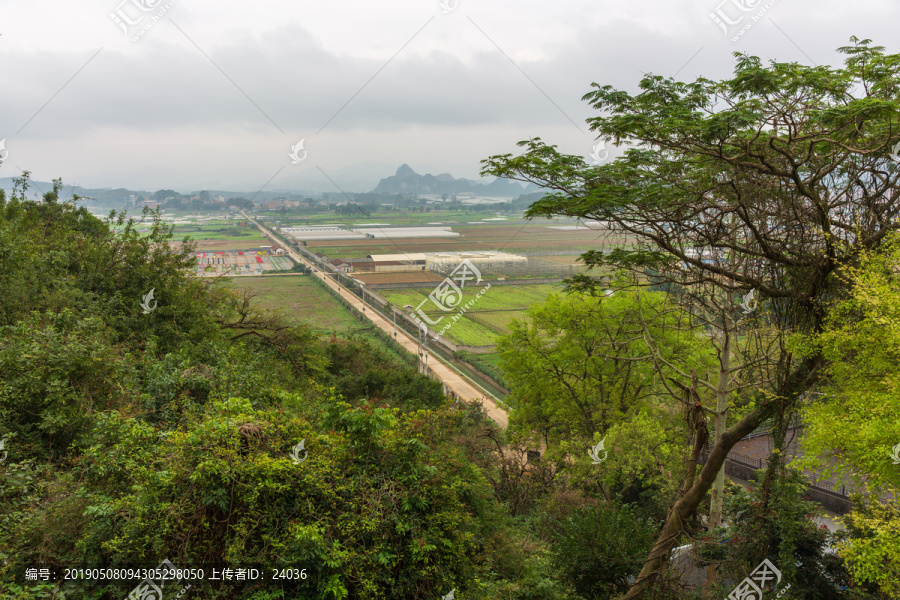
x=482, y=365
x=357, y=371
x=780, y=526
x=580, y=364
x=645, y=462
x=56, y=370
x=380, y=502
x=871, y=545
x=857, y=419
x=596, y=548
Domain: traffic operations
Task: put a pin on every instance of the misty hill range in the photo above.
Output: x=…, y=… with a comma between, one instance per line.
x=408, y=182
x=405, y=181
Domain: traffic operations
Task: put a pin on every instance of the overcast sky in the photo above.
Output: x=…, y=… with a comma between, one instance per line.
x=216, y=92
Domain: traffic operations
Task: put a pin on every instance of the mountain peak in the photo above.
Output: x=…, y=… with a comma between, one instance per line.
x=404, y=170
x=408, y=182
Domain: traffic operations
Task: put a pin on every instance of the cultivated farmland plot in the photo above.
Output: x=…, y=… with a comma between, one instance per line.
x=486, y=319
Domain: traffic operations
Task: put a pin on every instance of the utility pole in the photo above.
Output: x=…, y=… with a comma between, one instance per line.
x=423, y=350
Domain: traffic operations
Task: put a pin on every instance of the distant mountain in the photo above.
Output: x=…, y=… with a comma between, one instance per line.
x=100, y=197
x=105, y=198
x=407, y=181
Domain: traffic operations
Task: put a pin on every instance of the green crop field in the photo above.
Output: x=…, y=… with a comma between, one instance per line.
x=500, y=318
x=497, y=306
x=218, y=232
x=492, y=358
x=301, y=300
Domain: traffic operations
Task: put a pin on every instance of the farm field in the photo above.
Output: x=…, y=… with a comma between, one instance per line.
x=244, y=244
x=512, y=237
x=406, y=219
x=492, y=358
x=424, y=277
x=486, y=319
x=568, y=259
x=218, y=234
x=301, y=300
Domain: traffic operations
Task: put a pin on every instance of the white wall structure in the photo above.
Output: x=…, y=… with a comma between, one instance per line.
x=408, y=232
x=313, y=233
x=445, y=262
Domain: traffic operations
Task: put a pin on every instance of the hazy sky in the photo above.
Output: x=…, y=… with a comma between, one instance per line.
x=216, y=92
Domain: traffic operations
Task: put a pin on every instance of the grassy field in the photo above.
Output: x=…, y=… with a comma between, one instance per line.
x=486, y=319
x=492, y=358
x=220, y=235
x=301, y=300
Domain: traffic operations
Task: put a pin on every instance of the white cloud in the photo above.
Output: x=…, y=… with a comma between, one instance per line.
x=158, y=113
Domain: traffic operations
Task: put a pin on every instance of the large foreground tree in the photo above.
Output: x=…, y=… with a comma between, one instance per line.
x=770, y=181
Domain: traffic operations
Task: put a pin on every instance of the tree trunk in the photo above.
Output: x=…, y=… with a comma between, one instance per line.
x=684, y=508
x=716, y=500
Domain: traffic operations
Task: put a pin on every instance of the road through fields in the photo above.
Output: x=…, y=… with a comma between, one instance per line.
x=454, y=381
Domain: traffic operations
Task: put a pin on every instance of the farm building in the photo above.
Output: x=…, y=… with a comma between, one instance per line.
x=322, y=233
x=408, y=232
x=706, y=255
x=341, y=265
x=393, y=262
x=392, y=266
x=361, y=264
x=445, y=262
x=413, y=257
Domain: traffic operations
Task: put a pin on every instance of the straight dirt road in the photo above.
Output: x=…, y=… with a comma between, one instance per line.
x=455, y=382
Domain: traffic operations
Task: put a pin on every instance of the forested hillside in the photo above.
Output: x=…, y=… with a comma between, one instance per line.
x=135, y=437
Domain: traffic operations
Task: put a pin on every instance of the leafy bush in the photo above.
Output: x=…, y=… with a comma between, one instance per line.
x=597, y=548
x=776, y=520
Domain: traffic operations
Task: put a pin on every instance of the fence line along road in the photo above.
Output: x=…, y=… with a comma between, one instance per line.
x=446, y=375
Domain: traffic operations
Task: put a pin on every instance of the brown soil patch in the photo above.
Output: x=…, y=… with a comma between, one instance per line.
x=508, y=238
x=219, y=245
x=412, y=277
